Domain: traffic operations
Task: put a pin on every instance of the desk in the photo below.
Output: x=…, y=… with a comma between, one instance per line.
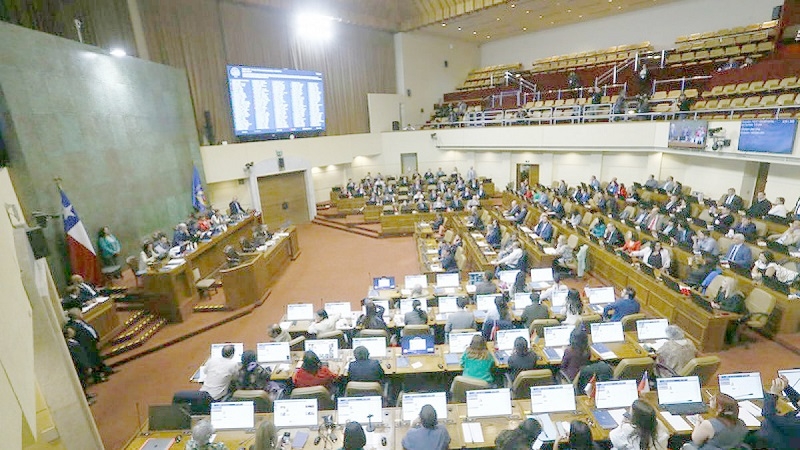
x=478, y=252
x=103, y=318
x=395, y=224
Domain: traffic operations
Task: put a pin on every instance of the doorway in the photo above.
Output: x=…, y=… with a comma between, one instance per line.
x=283, y=199
x=408, y=163
x=529, y=172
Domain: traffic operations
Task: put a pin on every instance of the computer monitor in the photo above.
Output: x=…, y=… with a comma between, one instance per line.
x=554, y=398
x=417, y=345
x=559, y=299
x=413, y=403
x=405, y=305
x=376, y=346
x=238, y=349
x=678, y=390
x=444, y=280
x=459, y=341
x=489, y=403
x=300, y=311
x=295, y=413
x=233, y=415
x=448, y=304
x=601, y=295
x=268, y=352
x=605, y=332
x=485, y=302
x=379, y=283
x=506, y=338
x=359, y=409
x=382, y=303
x=508, y=277
x=542, y=275
x=344, y=309
x=651, y=329
x=324, y=348
x=522, y=300
x=557, y=336
x=793, y=375
x=476, y=277
x=615, y=394
x=742, y=386
x=413, y=281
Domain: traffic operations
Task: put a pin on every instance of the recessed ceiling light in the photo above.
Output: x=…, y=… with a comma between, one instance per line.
x=459, y=28
x=569, y=10
x=527, y=11
x=118, y=52
x=444, y=24
x=475, y=33
x=498, y=19
x=524, y=28
x=619, y=7
x=513, y=5
x=552, y=23
x=580, y=16
x=488, y=37
x=541, y=17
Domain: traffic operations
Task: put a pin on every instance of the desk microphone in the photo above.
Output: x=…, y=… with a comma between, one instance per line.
x=370, y=427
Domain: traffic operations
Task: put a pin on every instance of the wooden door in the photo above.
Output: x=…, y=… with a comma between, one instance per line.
x=283, y=199
x=529, y=172
x=408, y=163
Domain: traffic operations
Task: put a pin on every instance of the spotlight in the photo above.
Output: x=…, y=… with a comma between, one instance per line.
x=118, y=52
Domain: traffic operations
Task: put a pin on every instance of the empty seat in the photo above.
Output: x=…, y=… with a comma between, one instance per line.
x=673, y=94
x=788, y=83
x=699, y=105
x=688, y=56
x=752, y=101
x=521, y=387
x=768, y=100
x=691, y=93
x=716, y=91
x=674, y=58
x=741, y=88
x=729, y=89
x=321, y=393
x=711, y=104
x=785, y=99
x=659, y=95
x=703, y=56
x=755, y=86
x=765, y=47
x=717, y=54
x=724, y=103
x=771, y=85
x=749, y=48
x=733, y=51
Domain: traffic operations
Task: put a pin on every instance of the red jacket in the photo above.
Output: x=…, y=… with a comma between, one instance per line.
x=323, y=377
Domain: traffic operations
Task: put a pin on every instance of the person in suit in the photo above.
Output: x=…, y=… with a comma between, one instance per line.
x=544, y=229
x=760, y=207
x=654, y=220
x=747, y=228
x=536, y=310
x=363, y=368
x=520, y=217
x=89, y=339
x=461, y=319
x=236, y=209
x=625, y=305
x=86, y=291
x=513, y=210
x=72, y=298
x=739, y=254
x=723, y=220
x=494, y=235
x=613, y=236
x=180, y=235
x=79, y=359
x=779, y=430
x=486, y=286
x=651, y=182
x=729, y=298
x=448, y=260
x=733, y=201
x=682, y=235
x=426, y=433
x=668, y=185
x=704, y=243
x=557, y=209
x=417, y=316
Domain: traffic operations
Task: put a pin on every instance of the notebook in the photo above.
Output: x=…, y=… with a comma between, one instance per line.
x=541, y=278
x=680, y=395
x=742, y=386
x=556, y=339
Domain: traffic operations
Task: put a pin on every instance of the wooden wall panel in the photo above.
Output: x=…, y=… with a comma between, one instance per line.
x=275, y=190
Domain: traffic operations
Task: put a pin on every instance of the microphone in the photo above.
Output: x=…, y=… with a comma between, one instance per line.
x=370, y=427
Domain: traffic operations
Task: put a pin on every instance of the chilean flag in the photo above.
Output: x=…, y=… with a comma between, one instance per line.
x=82, y=257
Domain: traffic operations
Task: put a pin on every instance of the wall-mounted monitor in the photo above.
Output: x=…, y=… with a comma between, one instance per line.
x=767, y=136
x=687, y=133
x=271, y=101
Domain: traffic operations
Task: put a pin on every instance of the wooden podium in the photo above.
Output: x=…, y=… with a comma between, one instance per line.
x=245, y=284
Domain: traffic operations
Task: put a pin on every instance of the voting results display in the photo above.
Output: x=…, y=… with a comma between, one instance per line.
x=767, y=136
x=267, y=101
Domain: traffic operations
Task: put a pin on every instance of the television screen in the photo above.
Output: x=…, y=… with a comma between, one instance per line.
x=767, y=136
x=687, y=133
x=267, y=101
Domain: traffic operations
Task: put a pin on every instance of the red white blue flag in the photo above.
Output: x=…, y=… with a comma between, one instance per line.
x=82, y=257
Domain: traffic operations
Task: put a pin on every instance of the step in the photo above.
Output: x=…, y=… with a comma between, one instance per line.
x=143, y=335
x=343, y=227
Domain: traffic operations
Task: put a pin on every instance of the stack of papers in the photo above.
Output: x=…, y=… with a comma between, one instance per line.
x=750, y=407
x=676, y=422
x=748, y=418
x=549, y=251
x=472, y=432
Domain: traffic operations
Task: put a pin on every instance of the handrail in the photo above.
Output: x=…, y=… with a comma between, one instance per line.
x=613, y=73
x=683, y=81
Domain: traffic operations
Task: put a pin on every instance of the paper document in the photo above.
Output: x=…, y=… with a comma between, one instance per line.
x=676, y=422
x=526, y=230
x=750, y=407
x=618, y=414
x=748, y=418
x=286, y=325
x=472, y=432
x=549, y=251
x=417, y=365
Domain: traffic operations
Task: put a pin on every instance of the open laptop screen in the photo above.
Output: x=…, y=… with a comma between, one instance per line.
x=413, y=403
x=742, y=386
x=557, y=336
x=383, y=283
x=417, y=345
x=476, y=277
x=413, y=281
x=506, y=338
x=342, y=308
x=555, y=398
x=448, y=304
x=300, y=311
x=359, y=409
x=542, y=275
x=793, y=375
x=444, y=280
x=651, y=329
x=232, y=415
x=489, y=403
x=522, y=300
x=559, y=299
x=267, y=352
x=508, y=276
x=616, y=394
x=485, y=302
x=296, y=413
x=376, y=346
x=677, y=390
x=600, y=296
x=324, y=348
x=607, y=332
x=460, y=341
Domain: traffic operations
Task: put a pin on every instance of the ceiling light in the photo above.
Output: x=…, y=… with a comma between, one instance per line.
x=475, y=32
x=552, y=23
x=580, y=16
x=569, y=10
x=527, y=11
x=619, y=7
x=459, y=28
x=444, y=24
x=524, y=28
x=118, y=52
x=314, y=26
x=498, y=19
x=541, y=17
x=513, y=5
x=488, y=37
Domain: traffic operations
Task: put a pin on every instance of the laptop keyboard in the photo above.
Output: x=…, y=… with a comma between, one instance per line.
x=685, y=409
x=703, y=304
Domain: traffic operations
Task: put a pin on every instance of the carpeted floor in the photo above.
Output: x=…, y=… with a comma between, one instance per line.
x=333, y=266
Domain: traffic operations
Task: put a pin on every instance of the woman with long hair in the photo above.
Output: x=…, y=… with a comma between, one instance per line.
x=477, y=361
x=522, y=358
x=573, y=308
x=372, y=318
x=641, y=430
x=724, y=430
x=313, y=373
x=576, y=354
x=266, y=437
x=109, y=247
x=580, y=438
x=417, y=316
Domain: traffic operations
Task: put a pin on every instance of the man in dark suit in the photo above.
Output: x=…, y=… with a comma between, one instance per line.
x=723, y=220
x=448, y=260
x=88, y=338
x=79, y=360
x=760, y=207
x=86, y=291
x=363, y=368
x=733, y=201
x=544, y=229
x=72, y=299
x=613, y=236
x=557, y=209
x=236, y=207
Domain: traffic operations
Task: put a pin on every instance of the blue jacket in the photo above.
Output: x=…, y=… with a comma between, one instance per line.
x=780, y=431
x=741, y=257
x=621, y=308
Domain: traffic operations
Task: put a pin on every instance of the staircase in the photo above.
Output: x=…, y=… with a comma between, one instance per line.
x=137, y=330
x=349, y=226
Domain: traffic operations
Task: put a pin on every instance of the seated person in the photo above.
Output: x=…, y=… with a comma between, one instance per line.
x=277, y=334
x=779, y=431
x=563, y=255
x=363, y=368
x=477, y=361
x=766, y=267
x=72, y=299
x=573, y=308
x=313, y=373
x=544, y=229
x=513, y=210
x=557, y=286
x=521, y=359
x=760, y=207
x=416, y=316
x=422, y=206
x=675, y=353
x=705, y=244
x=372, y=318
x=747, y=228
x=729, y=298
x=181, y=235
x=512, y=260
x=86, y=291
x=220, y=370
x=232, y=256
x=739, y=254
x=654, y=256
x=640, y=424
x=426, y=433
x=682, y=235
x=536, y=310
x=790, y=237
x=522, y=437
x=779, y=209
x=576, y=355
x=627, y=304
x=580, y=437
x=700, y=266
x=161, y=246
x=462, y=319
x=612, y=236
x=723, y=430
x=147, y=257
x=448, y=261
x=723, y=220
x=557, y=209
x=246, y=245
x=251, y=375
x=354, y=437
x=202, y=432
x=438, y=223
x=474, y=220
x=323, y=323
x=486, y=286
x=631, y=243
x=520, y=217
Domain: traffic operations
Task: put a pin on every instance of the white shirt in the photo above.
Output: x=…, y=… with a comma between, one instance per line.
x=512, y=259
x=325, y=325
x=219, y=372
x=548, y=293
x=624, y=437
x=779, y=211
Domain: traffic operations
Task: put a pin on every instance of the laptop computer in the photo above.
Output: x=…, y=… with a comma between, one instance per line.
x=417, y=345
x=299, y=312
x=169, y=417
x=446, y=305
x=343, y=309
x=475, y=278
x=556, y=340
x=458, y=343
x=505, y=342
x=484, y=304
x=272, y=354
x=599, y=297
x=618, y=395
x=326, y=349
x=680, y=395
x=376, y=346
x=671, y=284
x=541, y=278
x=605, y=333
x=553, y=398
x=742, y=386
x=233, y=415
x=447, y=283
x=413, y=403
x=793, y=375
x=507, y=276
x=381, y=283
x=701, y=301
x=412, y=281
x=359, y=409
x=489, y=403
x=655, y=330
x=521, y=301
x=558, y=302
x=296, y=413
